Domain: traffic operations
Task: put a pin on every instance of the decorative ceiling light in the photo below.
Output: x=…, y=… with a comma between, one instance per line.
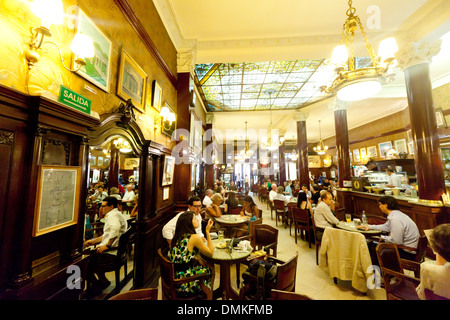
x=246, y=152
x=271, y=144
x=321, y=148
x=122, y=145
x=353, y=84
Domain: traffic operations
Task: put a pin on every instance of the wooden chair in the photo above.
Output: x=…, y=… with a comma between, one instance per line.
x=285, y=279
x=289, y=217
x=392, y=266
x=284, y=295
x=430, y=295
x=169, y=283
x=119, y=262
x=271, y=207
x=236, y=210
x=302, y=223
x=265, y=236
x=318, y=233
x=280, y=211
x=264, y=196
x=421, y=250
x=138, y=294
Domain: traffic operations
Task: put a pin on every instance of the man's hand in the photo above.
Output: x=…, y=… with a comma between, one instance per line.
x=101, y=249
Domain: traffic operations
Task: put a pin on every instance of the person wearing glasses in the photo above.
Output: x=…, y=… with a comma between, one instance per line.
x=105, y=253
x=194, y=205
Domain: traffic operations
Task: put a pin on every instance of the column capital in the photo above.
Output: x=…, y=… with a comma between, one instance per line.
x=336, y=104
x=186, y=61
x=415, y=53
x=301, y=115
x=210, y=118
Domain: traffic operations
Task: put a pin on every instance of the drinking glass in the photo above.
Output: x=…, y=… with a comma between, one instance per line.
x=348, y=217
x=220, y=236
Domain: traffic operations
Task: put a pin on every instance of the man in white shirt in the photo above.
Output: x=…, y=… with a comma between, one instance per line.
x=273, y=192
x=207, y=199
x=99, y=195
x=129, y=195
x=395, y=181
x=115, y=226
x=323, y=217
x=194, y=205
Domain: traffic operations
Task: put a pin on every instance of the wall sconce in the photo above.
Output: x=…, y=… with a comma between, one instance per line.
x=167, y=115
x=51, y=12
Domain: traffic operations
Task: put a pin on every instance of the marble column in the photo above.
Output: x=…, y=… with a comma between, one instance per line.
x=302, y=147
x=415, y=59
x=342, y=147
x=209, y=166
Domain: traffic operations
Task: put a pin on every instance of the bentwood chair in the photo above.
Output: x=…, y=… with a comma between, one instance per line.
x=280, y=211
x=169, y=283
x=302, y=223
x=285, y=295
x=393, y=266
x=138, y=294
x=318, y=233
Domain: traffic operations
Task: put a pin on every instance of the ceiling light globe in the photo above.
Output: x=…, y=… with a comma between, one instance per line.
x=359, y=90
x=387, y=49
x=340, y=55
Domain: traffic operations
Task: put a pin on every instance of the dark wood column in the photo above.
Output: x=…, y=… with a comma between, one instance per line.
x=342, y=147
x=209, y=167
x=282, y=164
x=114, y=166
x=427, y=152
x=302, y=147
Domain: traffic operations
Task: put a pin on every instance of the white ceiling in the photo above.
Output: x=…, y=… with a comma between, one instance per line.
x=222, y=31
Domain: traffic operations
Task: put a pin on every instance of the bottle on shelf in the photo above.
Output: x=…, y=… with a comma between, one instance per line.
x=364, y=218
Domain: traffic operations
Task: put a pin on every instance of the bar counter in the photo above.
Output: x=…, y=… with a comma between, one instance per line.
x=426, y=214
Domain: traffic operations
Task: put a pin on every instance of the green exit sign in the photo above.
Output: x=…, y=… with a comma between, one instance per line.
x=74, y=100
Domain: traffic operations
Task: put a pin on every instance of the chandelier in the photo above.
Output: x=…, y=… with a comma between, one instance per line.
x=353, y=84
x=123, y=145
x=246, y=152
x=271, y=144
x=321, y=148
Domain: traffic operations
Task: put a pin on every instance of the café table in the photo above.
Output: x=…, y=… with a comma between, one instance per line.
x=229, y=221
x=225, y=259
x=352, y=228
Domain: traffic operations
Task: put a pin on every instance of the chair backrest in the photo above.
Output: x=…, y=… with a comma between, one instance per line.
x=316, y=231
x=278, y=204
x=283, y=295
x=167, y=276
x=388, y=256
x=286, y=274
x=421, y=249
x=235, y=210
x=259, y=213
x=252, y=225
x=300, y=215
x=123, y=243
x=138, y=294
x=264, y=235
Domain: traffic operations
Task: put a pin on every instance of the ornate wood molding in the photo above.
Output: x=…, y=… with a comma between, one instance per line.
x=129, y=14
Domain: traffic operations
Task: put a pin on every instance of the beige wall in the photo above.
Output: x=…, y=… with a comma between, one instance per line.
x=16, y=20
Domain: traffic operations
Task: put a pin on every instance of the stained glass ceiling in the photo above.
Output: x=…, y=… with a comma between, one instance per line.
x=272, y=85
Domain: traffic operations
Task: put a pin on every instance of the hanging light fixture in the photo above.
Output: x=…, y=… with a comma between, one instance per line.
x=246, y=152
x=271, y=144
x=353, y=84
x=321, y=147
x=123, y=145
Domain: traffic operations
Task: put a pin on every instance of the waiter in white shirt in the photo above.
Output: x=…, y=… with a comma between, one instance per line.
x=395, y=181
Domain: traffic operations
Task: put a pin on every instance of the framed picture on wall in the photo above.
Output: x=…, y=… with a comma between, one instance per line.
x=156, y=96
x=372, y=151
x=166, y=193
x=356, y=157
x=57, y=198
x=440, y=118
x=168, y=170
x=384, y=147
x=132, y=82
x=363, y=153
x=400, y=146
x=193, y=172
x=97, y=68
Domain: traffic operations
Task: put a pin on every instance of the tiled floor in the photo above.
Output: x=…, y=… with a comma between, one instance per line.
x=312, y=281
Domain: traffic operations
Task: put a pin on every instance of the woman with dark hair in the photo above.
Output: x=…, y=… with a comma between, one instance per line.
x=435, y=275
x=185, y=245
x=303, y=203
x=250, y=209
x=231, y=202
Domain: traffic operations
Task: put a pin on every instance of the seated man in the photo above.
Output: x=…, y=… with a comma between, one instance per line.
x=280, y=195
x=99, y=195
x=232, y=186
x=115, y=226
x=323, y=217
x=207, y=199
x=401, y=229
x=129, y=195
x=194, y=205
x=273, y=192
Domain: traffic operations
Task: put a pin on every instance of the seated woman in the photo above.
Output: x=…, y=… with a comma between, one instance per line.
x=231, y=202
x=280, y=195
x=303, y=203
x=185, y=245
x=213, y=210
x=250, y=209
x=435, y=275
